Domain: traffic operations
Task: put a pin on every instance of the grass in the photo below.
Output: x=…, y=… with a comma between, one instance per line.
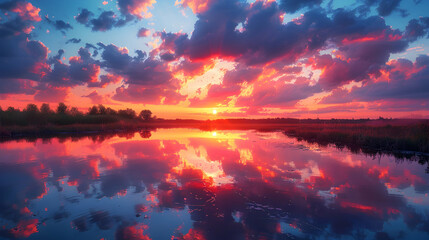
x=399, y=140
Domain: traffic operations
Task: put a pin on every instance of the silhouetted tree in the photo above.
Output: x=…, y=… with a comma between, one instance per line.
x=74, y=111
x=32, y=108
x=46, y=109
x=62, y=108
x=12, y=109
x=127, y=113
x=110, y=111
x=93, y=110
x=101, y=109
x=145, y=114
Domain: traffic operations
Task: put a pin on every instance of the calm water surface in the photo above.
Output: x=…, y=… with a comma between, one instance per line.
x=189, y=184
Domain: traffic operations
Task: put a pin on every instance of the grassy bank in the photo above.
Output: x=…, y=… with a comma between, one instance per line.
x=401, y=139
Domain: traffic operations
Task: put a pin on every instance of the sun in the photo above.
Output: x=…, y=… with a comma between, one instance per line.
x=214, y=111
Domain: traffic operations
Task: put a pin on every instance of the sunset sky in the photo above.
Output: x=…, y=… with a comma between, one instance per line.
x=194, y=58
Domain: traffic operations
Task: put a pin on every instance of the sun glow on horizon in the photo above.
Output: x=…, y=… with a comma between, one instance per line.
x=214, y=111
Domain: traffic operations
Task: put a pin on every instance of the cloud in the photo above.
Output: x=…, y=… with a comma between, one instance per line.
x=95, y=97
x=191, y=68
x=148, y=95
x=136, y=8
x=106, y=21
x=363, y=46
x=265, y=39
x=73, y=40
x=291, y=6
x=149, y=80
x=231, y=86
x=384, y=7
x=279, y=94
x=82, y=69
x=84, y=16
x=143, y=32
x=241, y=74
x=48, y=93
x=21, y=58
x=15, y=86
x=404, y=81
x=60, y=25
x=217, y=94
x=133, y=232
x=197, y=6
x=105, y=80
x=21, y=16
x=24, y=9
x=417, y=28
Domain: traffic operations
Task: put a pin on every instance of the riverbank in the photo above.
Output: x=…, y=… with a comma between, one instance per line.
x=399, y=137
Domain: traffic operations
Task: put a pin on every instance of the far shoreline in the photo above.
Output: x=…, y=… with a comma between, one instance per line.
x=403, y=138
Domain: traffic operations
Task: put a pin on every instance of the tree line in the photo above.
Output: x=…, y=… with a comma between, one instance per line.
x=65, y=115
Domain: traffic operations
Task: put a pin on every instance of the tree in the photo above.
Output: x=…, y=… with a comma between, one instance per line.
x=93, y=110
x=110, y=111
x=32, y=108
x=101, y=109
x=127, y=113
x=74, y=111
x=12, y=109
x=62, y=108
x=45, y=109
x=145, y=114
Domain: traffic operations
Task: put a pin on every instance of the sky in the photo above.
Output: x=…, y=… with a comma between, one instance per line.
x=236, y=58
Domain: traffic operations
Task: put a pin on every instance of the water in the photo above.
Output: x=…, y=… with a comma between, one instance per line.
x=190, y=184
